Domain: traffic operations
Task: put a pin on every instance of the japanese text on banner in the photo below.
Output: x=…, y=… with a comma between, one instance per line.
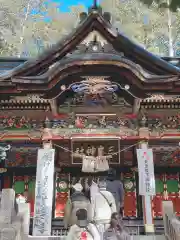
x=44, y=193
x=146, y=172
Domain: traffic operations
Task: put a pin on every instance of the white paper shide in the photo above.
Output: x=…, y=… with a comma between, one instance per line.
x=44, y=193
x=146, y=172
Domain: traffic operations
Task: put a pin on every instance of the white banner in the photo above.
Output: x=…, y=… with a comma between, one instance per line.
x=146, y=172
x=44, y=193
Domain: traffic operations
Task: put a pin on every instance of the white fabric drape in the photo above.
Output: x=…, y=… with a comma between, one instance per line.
x=95, y=164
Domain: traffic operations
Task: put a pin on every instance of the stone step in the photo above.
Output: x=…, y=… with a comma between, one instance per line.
x=154, y=237
x=159, y=237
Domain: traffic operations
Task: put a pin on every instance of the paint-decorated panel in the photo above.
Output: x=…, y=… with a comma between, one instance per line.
x=19, y=123
x=24, y=187
x=127, y=155
x=157, y=200
x=166, y=156
x=172, y=190
x=64, y=153
x=167, y=188
x=6, y=182
x=61, y=194
x=130, y=198
x=22, y=156
x=14, y=123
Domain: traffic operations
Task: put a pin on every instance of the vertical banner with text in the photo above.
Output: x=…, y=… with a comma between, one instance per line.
x=44, y=192
x=146, y=172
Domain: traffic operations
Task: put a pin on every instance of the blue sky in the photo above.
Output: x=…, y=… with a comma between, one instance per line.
x=65, y=4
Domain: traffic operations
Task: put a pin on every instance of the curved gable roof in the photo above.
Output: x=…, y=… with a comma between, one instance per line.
x=121, y=43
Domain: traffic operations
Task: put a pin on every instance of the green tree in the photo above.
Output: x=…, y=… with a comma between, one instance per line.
x=36, y=25
x=173, y=5
x=147, y=26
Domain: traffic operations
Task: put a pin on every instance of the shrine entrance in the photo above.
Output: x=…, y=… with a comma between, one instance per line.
x=62, y=98
x=122, y=160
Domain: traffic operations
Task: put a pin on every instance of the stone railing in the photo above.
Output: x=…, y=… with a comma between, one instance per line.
x=14, y=219
x=171, y=223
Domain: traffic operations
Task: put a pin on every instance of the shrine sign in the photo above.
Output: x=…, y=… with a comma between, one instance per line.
x=146, y=172
x=94, y=148
x=44, y=193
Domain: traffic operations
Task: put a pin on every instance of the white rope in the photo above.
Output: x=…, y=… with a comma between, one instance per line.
x=115, y=153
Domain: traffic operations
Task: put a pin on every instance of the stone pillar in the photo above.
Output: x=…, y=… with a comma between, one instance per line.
x=8, y=233
x=10, y=225
x=147, y=206
x=7, y=206
x=24, y=214
x=168, y=213
x=44, y=191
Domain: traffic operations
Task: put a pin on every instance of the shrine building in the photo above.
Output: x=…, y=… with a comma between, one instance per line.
x=93, y=89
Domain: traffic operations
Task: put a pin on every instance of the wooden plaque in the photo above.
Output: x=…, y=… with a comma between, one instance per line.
x=90, y=147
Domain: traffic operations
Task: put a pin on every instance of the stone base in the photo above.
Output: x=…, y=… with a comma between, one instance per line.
x=46, y=238
x=149, y=229
x=158, y=237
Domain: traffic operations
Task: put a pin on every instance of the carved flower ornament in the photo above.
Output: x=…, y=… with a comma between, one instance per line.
x=3, y=170
x=128, y=185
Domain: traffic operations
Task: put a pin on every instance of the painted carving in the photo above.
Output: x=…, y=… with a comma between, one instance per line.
x=68, y=124
x=163, y=123
x=19, y=123
x=92, y=46
x=62, y=189
x=3, y=170
x=22, y=156
x=81, y=99
x=14, y=122
x=94, y=85
x=173, y=122
x=93, y=122
x=24, y=187
x=3, y=152
x=167, y=157
x=124, y=126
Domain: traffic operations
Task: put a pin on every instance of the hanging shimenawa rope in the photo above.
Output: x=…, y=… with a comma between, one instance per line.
x=115, y=153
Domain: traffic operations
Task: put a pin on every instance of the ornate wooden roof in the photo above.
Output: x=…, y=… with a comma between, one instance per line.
x=65, y=63
x=9, y=63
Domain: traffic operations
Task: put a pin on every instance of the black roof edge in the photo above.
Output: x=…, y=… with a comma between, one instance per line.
x=143, y=53
x=13, y=59
x=16, y=59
